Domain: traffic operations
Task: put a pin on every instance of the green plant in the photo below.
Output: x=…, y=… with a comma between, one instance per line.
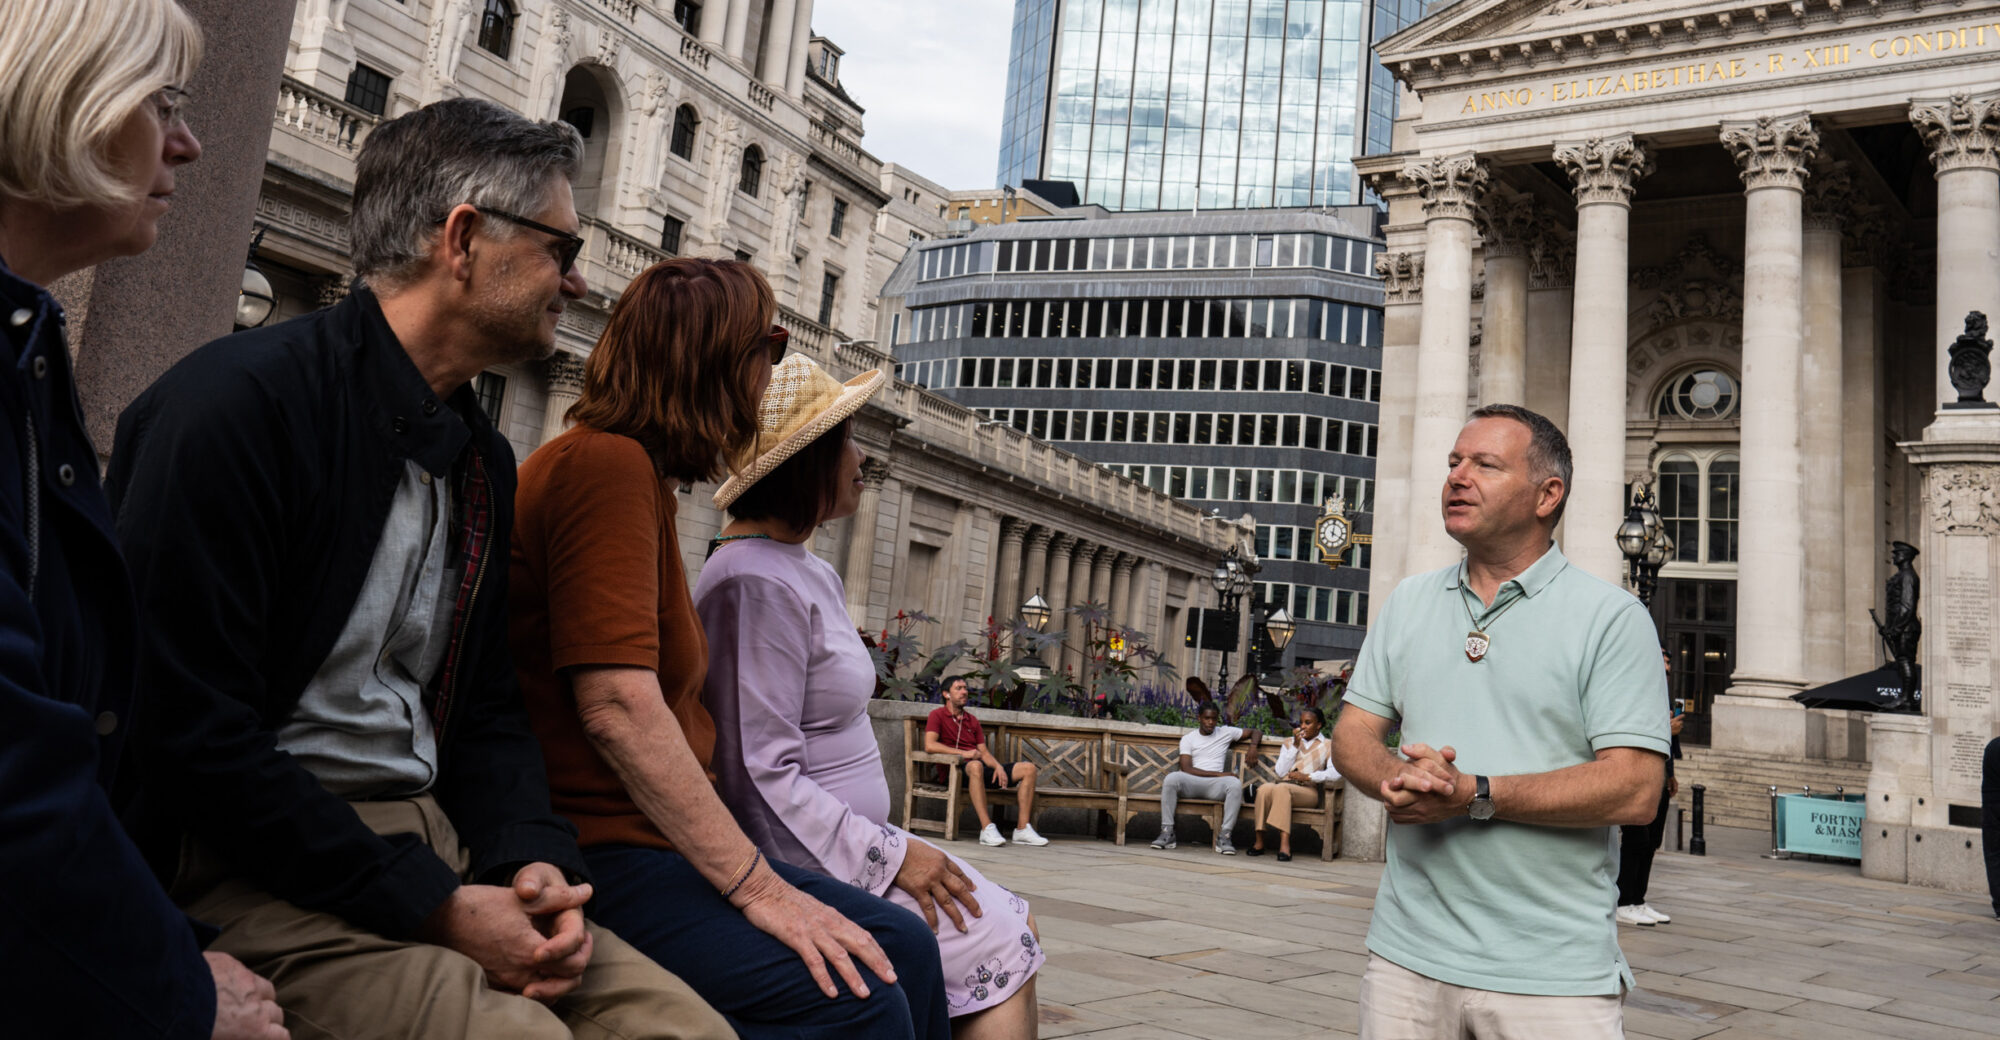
x=892, y=650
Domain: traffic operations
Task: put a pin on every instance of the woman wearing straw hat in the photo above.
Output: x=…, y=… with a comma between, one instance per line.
x=611, y=660
x=788, y=687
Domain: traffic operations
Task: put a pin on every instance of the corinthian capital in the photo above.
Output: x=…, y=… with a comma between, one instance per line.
x=1507, y=223
x=565, y=371
x=1829, y=196
x=1605, y=169
x=1451, y=185
x=1773, y=151
x=1962, y=132
x=1551, y=260
x=1402, y=276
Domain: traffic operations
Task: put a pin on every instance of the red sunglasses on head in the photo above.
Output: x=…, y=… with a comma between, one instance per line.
x=776, y=341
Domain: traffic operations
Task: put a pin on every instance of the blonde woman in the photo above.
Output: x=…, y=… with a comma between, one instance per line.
x=92, y=131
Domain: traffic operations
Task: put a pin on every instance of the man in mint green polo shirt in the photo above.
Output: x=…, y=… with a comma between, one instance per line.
x=1528, y=694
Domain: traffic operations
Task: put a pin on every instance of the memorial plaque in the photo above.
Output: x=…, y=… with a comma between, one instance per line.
x=1966, y=600
x=1963, y=754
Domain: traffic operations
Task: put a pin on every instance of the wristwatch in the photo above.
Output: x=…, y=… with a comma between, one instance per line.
x=1482, y=799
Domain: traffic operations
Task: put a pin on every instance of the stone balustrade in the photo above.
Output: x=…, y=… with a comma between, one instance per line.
x=826, y=136
x=762, y=96
x=627, y=10
x=694, y=53
x=320, y=117
x=613, y=258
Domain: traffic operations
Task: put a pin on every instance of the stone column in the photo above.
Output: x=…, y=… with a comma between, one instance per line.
x=1756, y=714
x=1451, y=187
x=1034, y=574
x=1551, y=309
x=1100, y=578
x=132, y=318
x=859, y=570
x=715, y=16
x=1402, y=282
x=1963, y=134
x=1060, y=548
x=1079, y=594
x=1006, y=605
x=1828, y=196
x=795, y=66
x=777, y=51
x=1503, y=353
x=1605, y=171
x=1861, y=449
x=734, y=46
x=565, y=385
x=1120, y=604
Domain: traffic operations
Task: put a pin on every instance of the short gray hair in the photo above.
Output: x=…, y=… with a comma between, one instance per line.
x=415, y=168
x=1548, y=449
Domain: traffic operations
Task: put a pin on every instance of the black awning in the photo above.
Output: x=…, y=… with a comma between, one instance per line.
x=1878, y=690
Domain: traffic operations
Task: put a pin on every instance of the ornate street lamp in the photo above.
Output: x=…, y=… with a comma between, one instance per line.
x=1280, y=628
x=1643, y=540
x=1231, y=579
x=256, y=300
x=1035, y=614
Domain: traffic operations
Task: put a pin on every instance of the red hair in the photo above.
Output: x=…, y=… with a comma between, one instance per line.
x=677, y=363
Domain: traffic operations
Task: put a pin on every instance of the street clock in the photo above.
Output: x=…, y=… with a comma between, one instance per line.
x=1333, y=533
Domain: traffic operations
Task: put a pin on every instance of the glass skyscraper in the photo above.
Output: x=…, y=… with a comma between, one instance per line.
x=1210, y=104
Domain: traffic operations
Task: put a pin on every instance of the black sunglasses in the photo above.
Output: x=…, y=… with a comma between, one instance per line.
x=571, y=244
x=777, y=340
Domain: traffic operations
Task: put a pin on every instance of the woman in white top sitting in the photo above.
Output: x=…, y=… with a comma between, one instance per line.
x=1305, y=762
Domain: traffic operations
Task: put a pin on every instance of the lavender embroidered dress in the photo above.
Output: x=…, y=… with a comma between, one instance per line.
x=796, y=759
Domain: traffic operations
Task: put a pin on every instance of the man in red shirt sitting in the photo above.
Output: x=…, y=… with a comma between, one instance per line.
x=951, y=730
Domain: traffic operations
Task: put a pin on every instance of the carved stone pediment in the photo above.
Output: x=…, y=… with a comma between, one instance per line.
x=1698, y=282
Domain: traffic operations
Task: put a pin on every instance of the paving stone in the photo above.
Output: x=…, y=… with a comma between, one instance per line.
x=1241, y=965
x=1060, y=1020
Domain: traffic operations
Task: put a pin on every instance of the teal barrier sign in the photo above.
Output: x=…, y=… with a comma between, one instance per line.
x=1821, y=825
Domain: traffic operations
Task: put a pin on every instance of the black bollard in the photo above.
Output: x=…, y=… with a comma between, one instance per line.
x=1697, y=846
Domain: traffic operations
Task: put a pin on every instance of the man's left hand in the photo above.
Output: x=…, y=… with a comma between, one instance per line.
x=1000, y=775
x=1427, y=789
x=556, y=908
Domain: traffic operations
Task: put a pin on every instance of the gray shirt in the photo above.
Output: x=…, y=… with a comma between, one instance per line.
x=361, y=726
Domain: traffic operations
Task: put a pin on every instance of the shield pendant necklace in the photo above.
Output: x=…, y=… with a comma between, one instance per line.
x=1477, y=642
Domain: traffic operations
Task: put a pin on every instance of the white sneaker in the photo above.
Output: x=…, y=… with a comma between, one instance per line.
x=1027, y=836
x=1634, y=915
x=1225, y=848
x=1658, y=917
x=990, y=835
x=1165, y=840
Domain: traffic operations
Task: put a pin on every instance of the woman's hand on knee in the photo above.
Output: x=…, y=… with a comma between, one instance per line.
x=818, y=933
x=930, y=877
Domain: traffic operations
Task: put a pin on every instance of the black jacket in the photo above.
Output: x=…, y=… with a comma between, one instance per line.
x=93, y=947
x=251, y=484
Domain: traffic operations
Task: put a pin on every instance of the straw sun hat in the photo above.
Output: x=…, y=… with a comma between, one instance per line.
x=802, y=403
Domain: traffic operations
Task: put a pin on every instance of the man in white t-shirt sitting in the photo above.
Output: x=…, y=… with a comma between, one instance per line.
x=1204, y=753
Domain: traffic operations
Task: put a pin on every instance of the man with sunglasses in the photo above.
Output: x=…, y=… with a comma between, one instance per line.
x=317, y=514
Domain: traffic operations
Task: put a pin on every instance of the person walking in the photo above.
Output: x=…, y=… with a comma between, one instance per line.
x=1528, y=696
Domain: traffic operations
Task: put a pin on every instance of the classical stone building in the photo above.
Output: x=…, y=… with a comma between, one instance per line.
x=1725, y=245
x=721, y=129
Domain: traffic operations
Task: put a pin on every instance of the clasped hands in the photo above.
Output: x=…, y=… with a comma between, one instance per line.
x=1426, y=787
x=529, y=936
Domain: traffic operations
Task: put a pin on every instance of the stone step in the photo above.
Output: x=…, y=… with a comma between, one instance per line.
x=1737, y=785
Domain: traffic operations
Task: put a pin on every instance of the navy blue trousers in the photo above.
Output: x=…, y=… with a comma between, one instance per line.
x=658, y=902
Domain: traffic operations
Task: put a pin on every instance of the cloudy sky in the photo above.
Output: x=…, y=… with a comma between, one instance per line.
x=931, y=74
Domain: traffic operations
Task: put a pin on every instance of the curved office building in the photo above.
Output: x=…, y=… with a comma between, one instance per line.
x=1231, y=358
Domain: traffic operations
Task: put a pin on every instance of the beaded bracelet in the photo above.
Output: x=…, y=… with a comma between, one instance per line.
x=755, y=855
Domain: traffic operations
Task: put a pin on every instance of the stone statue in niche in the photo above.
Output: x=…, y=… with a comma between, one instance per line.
x=1969, y=369
x=1902, y=631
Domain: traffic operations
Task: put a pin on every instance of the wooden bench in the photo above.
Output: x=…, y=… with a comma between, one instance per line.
x=1072, y=771
x=1116, y=771
x=1144, y=765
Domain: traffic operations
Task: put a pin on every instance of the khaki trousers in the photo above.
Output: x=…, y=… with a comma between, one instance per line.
x=1399, y=1004
x=339, y=982
x=1275, y=801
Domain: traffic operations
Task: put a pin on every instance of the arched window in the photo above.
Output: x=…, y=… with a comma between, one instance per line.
x=685, y=125
x=1702, y=395
x=753, y=171
x=496, y=27
x=1700, y=503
